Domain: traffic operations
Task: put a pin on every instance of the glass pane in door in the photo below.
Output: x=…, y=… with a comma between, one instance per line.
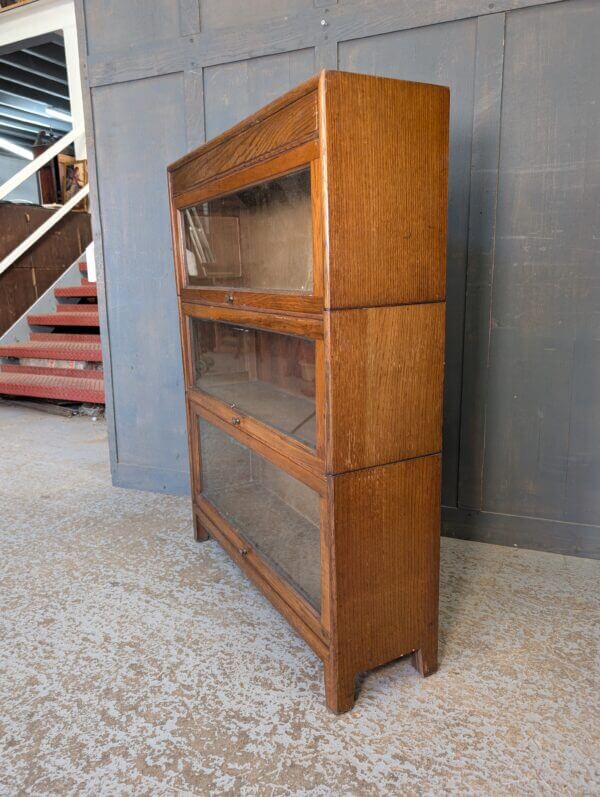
x=277, y=514
x=267, y=375
x=259, y=238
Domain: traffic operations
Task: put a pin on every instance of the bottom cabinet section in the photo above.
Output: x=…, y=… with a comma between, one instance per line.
x=278, y=515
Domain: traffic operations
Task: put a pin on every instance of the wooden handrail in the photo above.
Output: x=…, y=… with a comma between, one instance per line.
x=43, y=228
x=41, y=160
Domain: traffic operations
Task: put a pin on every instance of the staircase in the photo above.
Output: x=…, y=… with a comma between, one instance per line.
x=62, y=360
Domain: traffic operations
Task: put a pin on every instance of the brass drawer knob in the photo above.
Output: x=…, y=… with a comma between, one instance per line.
x=235, y=421
x=230, y=298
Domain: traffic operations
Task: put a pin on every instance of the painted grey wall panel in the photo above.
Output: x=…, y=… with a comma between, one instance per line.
x=443, y=54
x=113, y=25
x=545, y=308
x=583, y=468
x=233, y=91
x=216, y=14
x=139, y=129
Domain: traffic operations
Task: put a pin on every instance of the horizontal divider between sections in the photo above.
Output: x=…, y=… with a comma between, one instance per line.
x=300, y=325
x=383, y=306
x=294, y=304
x=384, y=464
x=299, y=613
x=305, y=473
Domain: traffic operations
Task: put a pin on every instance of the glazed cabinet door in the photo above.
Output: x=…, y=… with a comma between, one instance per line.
x=259, y=238
x=254, y=239
x=272, y=517
x=266, y=375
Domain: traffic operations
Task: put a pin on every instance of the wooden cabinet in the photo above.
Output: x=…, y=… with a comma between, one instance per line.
x=309, y=249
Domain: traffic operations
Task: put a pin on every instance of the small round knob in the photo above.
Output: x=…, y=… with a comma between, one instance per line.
x=230, y=298
x=243, y=551
x=235, y=421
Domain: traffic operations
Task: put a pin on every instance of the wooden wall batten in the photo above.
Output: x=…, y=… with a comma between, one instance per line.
x=485, y=155
x=521, y=398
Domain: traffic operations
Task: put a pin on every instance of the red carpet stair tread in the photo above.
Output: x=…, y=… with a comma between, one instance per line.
x=48, y=350
x=66, y=388
x=76, y=291
x=56, y=364
x=64, y=319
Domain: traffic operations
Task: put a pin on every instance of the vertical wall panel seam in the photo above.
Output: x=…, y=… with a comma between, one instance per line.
x=493, y=257
x=189, y=11
x=98, y=235
x=569, y=457
x=194, y=111
x=474, y=98
x=476, y=369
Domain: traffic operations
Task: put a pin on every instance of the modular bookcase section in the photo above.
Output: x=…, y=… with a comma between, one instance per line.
x=309, y=245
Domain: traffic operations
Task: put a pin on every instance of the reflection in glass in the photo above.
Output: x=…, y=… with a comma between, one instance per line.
x=258, y=238
x=277, y=514
x=265, y=374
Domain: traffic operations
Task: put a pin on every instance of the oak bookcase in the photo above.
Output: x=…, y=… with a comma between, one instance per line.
x=310, y=244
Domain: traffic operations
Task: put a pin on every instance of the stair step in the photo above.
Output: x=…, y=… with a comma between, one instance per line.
x=71, y=373
x=63, y=388
x=72, y=307
x=65, y=337
x=65, y=319
x=78, y=291
x=48, y=350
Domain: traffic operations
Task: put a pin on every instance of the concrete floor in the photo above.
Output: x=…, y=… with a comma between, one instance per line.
x=134, y=661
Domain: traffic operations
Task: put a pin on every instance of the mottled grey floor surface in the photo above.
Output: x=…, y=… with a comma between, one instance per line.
x=134, y=661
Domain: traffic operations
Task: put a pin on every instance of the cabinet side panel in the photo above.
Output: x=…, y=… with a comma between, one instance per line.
x=386, y=541
x=386, y=145
x=386, y=381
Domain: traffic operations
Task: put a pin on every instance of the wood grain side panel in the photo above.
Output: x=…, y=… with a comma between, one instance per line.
x=385, y=563
x=385, y=387
x=387, y=226
x=289, y=127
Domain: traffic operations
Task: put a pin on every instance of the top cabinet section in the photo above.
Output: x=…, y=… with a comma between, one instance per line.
x=332, y=197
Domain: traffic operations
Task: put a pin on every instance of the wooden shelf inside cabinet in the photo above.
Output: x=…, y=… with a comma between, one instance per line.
x=309, y=246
